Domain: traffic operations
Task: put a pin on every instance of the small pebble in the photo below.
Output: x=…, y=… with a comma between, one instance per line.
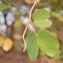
x=10, y=18
x=24, y=9
x=2, y=19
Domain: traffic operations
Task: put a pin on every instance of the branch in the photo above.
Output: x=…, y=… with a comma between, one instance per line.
x=30, y=15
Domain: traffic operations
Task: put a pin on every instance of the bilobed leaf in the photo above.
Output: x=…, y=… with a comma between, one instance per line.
x=41, y=14
x=40, y=17
x=3, y=7
x=48, y=43
x=32, y=46
x=43, y=23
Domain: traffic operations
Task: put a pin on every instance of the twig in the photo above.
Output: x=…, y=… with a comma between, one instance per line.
x=30, y=15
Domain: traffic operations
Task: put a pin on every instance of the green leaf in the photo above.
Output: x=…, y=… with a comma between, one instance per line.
x=48, y=43
x=32, y=46
x=43, y=23
x=40, y=17
x=41, y=14
x=12, y=3
x=57, y=15
x=3, y=7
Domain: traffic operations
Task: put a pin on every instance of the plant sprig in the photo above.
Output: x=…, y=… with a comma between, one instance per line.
x=29, y=22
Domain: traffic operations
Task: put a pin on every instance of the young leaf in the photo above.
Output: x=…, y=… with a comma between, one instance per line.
x=40, y=14
x=40, y=17
x=32, y=46
x=48, y=43
x=43, y=23
x=3, y=7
